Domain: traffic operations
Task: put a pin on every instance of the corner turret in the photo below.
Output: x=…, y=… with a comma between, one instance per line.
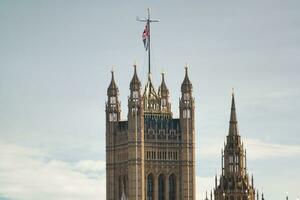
x=163, y=93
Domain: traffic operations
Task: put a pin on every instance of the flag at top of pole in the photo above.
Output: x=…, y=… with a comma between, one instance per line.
x=145, y=36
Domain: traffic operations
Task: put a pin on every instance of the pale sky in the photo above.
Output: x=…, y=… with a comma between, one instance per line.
x=55, y=62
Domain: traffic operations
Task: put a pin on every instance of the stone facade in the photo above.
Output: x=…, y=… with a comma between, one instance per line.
x=151, y=155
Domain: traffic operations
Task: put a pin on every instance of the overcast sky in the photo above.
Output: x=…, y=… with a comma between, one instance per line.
x=55, y=62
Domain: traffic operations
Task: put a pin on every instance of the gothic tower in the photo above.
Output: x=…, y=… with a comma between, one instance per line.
x=151, y=155
x=234, y=183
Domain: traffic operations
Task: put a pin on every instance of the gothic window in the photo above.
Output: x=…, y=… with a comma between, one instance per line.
x=112, y=117
x=172, y=134
x=134, y=110
x=187, y=113
x=236, y=168
x=135, y=94
x=237, y=159
x=163, y=102
x=161, y=187
x=230, y=159
x=186, y=96
x=172, y=187
x=113, y=100
x=150, y=187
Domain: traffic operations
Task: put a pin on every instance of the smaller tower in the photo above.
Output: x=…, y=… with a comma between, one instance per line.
x=113, y=104
x=113, y=112
x=235, y=182
x=187, y=123
x=135, y=140
x=206, y=197
x=163, y=93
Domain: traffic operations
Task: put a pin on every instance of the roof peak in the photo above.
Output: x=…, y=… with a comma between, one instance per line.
x=135, y=83
x=233, y=128
x=186, y=85
x=112, y=88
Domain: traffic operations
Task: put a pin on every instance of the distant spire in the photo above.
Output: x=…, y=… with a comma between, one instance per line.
x=252, y=181
x=216, y=181
x=135, y=83
x=245, y=159
x=222, y=157
x=211, y=195
x=186, y=85
x=262, y=196
x=112, y=89
x=257, y=195
x=233, y=129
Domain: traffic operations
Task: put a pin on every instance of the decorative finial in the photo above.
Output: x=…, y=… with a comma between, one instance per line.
x=186, y=66
x=112, y=69
x=232, y=91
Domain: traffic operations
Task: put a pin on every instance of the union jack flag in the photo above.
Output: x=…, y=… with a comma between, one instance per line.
x=145, y=37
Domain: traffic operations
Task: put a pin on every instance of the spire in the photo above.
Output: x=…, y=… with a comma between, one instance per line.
x=233, y=129
x=262, y=196
x=216, y=181
x=252, y=181
x=222, y=157
x=163, y=90
x=149, y=91
x=135, y=83
x=112, y=89
x=186, y=85
x=211, y=195
x=245, y=159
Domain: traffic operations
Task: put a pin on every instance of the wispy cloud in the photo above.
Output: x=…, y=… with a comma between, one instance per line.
x=260, y=150
x=204, y=184
x=31, y=174
x=27, y=173
x=257, y=149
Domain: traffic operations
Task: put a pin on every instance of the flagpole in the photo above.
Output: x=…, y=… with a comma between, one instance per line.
x=148, y=21
x=148, y=24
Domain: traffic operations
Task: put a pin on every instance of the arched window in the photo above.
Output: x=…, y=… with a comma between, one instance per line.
x=150, y=187
x=172, y=187
x=161, y=187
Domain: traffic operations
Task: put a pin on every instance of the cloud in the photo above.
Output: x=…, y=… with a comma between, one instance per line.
x=256, y=149
x=204, y=184
x=31, y=174
x=27, y=173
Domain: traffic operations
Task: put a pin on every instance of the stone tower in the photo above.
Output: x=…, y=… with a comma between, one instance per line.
x=234, y=183
x=150, y=155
